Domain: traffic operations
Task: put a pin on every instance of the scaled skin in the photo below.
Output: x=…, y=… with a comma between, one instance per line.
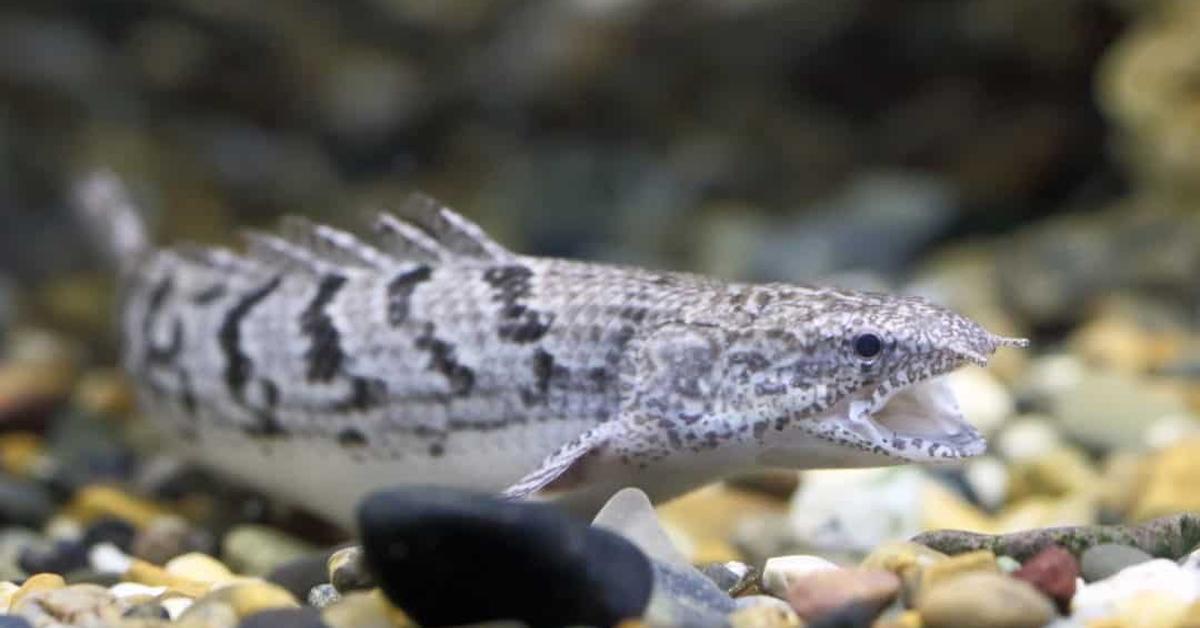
x=319, y=367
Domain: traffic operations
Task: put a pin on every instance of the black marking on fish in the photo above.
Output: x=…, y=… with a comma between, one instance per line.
x=210, y=295
x=365, y=393
x=400, y=290
x=238, y=366
x=351, y=437
x=443, y=360
x=324, y=355
x=518, y=322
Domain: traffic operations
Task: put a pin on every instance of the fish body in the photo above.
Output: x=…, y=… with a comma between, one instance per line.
x=319, y=365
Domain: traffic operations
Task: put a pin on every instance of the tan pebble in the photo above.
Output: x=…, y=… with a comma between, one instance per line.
x=1170, y=477
x=954, y=566
x=105, y=392
x=143, y=572
x=816, y=594
x=248, y=598
x=765, y=616
x=19, y=452
x=708, y=518
x=77, y=605
x=37, y=582
x=897, y=556
x=7, y=589
x=199, y=567
x=907, y=619
x=99, y=501
x=257, y=549
x=209, y=614
x=983, y=599
x=364, y=609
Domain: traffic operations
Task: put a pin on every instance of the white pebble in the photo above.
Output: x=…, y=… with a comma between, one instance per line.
x=781, y=571
x=108, y=558
x=983, y=400
x=1028, y=438
x=1159, y=577
x=123, y=590
x=176, y=605
x=988, y=477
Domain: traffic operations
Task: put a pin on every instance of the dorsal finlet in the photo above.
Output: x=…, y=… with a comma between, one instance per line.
x=453, y=233
x=405, y=241
x=333, y=245
x=277, y=252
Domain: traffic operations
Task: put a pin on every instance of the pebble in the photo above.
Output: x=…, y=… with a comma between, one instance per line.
x=857, y=509
x=24, y=503
x=984, y=600
x=630, y=514
x=110, y=530
x=151, y=609
x=685, y=597
x=1108, y=409
x=105, y=558
x=1171, y=474
x=175, y=606
x=1101, y=561
x=248, y=598
x=954, y=567
x=35, y=583
x=362, y=609
x=210, y=615
x=1007, y=564
x=7, y=589
x=1028, y=437
x=899, y=556
x=423, y=542
x=59, y=557
x=13, y=542
x=255, y=549
x=102, y=501
x=707, y=518
x=14, y=621
x=983, y=400
x=300, y=575
x=150, y=574
x=80, y=605
x=780, y=572
x=285, y=618
x=348, y=571
x=199, y=568
x=1173, y=585
x=733, y=577
x=1053, y=572
x=169, y=536
x=323, y=595
x=822, y=592
x=765, y=616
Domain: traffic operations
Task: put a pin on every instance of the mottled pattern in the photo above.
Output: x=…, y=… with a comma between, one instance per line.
x=436, y=356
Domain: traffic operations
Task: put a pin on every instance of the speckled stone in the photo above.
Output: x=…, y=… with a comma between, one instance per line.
x=323, y=595
x=166, y=537
x=81, y=604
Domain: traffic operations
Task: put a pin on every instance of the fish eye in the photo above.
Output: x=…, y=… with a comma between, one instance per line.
x=868, y=345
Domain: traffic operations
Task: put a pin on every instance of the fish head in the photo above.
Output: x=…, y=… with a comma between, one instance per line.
x=857, y=379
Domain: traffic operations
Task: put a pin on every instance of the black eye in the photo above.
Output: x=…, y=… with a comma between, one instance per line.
x=868, y=345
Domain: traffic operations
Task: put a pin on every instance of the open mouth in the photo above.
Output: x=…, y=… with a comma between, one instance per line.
x=917, y=422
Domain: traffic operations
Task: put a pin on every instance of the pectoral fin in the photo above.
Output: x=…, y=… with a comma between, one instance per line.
x=567, y=468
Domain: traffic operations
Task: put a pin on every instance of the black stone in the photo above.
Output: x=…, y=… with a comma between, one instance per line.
x=59, y=557
x=24, y=503
x=449, y=557
x=285, y=618
x=300, y=575
x=110, y=530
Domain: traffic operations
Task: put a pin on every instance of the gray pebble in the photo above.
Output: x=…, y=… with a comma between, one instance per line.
x=734, y=578
x=1106, y=559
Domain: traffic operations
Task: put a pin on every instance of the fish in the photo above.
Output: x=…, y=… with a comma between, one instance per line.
x=320, y=365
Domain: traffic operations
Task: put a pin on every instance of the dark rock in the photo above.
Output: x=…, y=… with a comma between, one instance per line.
x=1166, y=537
x=451, y=557
x=24, y=503
x=300, y=575
x=285, y=618
x=1053, y=572
x=110, y=530
x=59, y=557
x=1103, y=560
